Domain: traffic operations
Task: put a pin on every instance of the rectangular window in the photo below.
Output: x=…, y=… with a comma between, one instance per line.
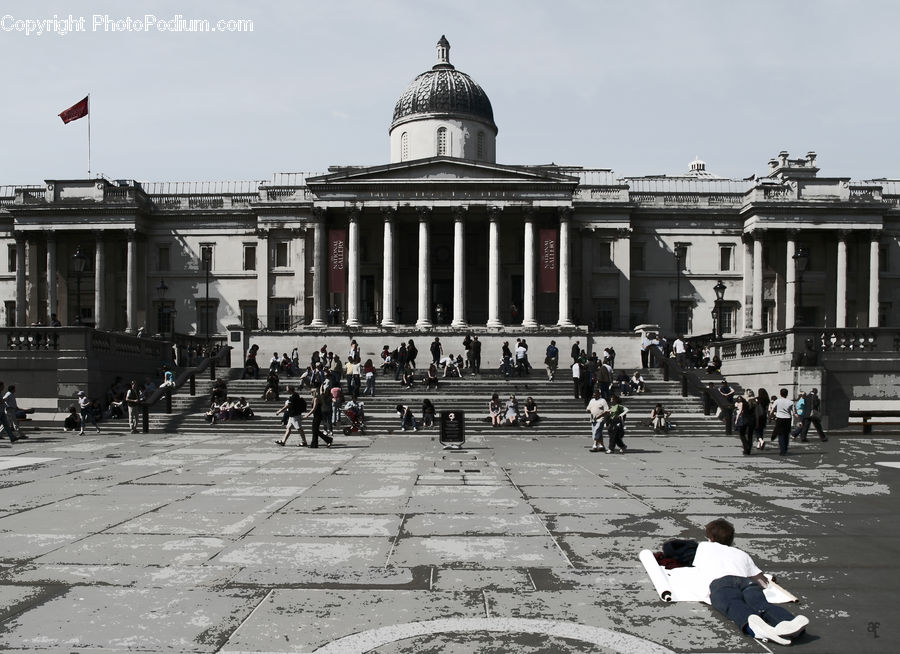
x=206, y=256
x=11, y=260
x=206, y=317
x=726, y=257
x=281, y=254
x=249, y=317
x=249, y=257
x=165, y=316
x=681, y=255
x=682, y=313
x=602, y=254
x=728, y=312
x=637, y=256
x=280, y=315
x=606, y=313
x=162, y=258
x=10, y=310
x=638, y=313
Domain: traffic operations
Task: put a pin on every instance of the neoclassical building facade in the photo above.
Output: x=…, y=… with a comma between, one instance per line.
x=443, y=235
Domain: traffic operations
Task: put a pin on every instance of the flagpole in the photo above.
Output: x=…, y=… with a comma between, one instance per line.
x=89, y=135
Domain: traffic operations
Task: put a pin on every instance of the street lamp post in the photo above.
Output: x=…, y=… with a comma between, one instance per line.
x=80, y=259
x=801, y=260
x=719, y=288
x=206, y=266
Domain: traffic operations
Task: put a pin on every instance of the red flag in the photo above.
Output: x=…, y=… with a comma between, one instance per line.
x=76, y=111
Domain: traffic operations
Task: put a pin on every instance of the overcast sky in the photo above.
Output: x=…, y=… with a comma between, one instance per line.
x=639, y=87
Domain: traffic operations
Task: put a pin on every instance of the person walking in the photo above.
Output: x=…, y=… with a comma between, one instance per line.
x=294, y=405
x=813, y=415
x=317, y=411
x=552, y=360
x=761, y=410
x=576, y=378
x=617, y=413
x=783, y=411
x=436, y=350
x=4, y=422
x=87, y=412
x=132, y=401
x=598, y=409
x=744, y=422
x=475, y=348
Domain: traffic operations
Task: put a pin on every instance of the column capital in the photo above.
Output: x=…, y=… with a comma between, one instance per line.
x=459, y=213
x=843, y=234
x=319, y=213
x=388, y=213
x=565, y=213
x=423, y=213
x=494, y=212
x=353, y=212
x=529, y=211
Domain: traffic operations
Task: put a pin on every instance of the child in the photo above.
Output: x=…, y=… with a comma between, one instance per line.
x=736, y=588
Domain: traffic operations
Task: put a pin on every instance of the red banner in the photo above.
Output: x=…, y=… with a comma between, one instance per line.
x=549, y=252
x=337, y=260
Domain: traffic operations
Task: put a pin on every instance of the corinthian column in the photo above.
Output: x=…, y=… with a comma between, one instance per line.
x=494, y=268
x=387, y=274
x=21, y=297
x=318, y=265
x=353, y=268
x=100, y=283
x=790, y=282
x=757, y=283
x=51, y=277
x=130, y=284
x=873, y=281
x=528, y=319
x=459, y=267
x=424, y=316
x=565, y=320
x=840, y=305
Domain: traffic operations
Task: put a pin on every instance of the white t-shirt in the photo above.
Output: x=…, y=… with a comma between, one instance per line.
x=715, y=560
x=678, y=346
x=596, y=407
x=783, y=407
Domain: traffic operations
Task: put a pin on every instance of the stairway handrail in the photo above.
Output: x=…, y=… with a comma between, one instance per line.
x=691, y=383
x=185, y=376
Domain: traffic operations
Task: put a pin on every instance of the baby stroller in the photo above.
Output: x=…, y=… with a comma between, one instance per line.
x=354, y=412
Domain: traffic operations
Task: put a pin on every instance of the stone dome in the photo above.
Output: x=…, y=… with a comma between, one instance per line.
x=443, y=90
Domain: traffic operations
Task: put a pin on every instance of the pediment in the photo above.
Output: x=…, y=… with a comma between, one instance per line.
x=440, y=170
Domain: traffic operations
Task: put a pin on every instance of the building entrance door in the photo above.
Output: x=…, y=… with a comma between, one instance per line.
x=516, y=298
x=367, y=300
x=442, y=299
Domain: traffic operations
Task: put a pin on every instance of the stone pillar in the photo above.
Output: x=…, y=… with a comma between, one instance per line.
x=21, y=294
x=52, y=299
x=262, y=276
x=424, y=304
x=622, y=259
x=790, y=282
x=387, y=272
x=873, y=281
x=299, y=236
x=100, y=283
x=565, y=303
x=353, y=267
x=757, y=283
x=587, y=276
x=840, y=305
x=747, y=284
x=459, y=267
x=131, y=284
x=494, y=268
x=319, y=266
x=528, y=319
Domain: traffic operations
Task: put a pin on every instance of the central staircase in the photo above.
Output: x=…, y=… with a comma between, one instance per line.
x=561, y=414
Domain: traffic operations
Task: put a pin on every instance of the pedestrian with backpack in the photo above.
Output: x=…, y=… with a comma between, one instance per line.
x=294, y=406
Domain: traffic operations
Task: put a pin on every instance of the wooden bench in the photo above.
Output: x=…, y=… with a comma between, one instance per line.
x=868, y=414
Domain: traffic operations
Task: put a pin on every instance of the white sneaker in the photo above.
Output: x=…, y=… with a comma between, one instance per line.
x=791, y=628
x=764, y=631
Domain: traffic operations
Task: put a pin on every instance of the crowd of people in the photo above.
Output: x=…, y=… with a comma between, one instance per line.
x=791, y=419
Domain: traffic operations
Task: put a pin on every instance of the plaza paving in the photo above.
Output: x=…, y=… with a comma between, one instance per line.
x=214, y=541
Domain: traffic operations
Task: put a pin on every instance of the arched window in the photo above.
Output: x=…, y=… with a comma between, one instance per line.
x=442, y=148
x=404, y=146
x=480, y=145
